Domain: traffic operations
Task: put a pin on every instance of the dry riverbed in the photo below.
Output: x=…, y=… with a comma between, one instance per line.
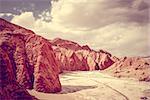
x=93, y=85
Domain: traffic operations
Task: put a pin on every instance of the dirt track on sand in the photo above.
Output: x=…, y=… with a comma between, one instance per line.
x=93, y=85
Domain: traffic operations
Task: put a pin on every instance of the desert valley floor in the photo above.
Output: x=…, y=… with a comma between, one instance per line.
x=93, y=85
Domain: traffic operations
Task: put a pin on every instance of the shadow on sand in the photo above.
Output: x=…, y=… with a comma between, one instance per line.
x=71, y=89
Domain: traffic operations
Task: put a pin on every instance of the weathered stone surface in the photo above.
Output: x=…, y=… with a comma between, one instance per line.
x=9, y=88
x=32, y=58
x=69, y=60
x=75, y=57
x=132, y=67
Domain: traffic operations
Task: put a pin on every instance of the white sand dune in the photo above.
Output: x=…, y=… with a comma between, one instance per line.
x=93, y=85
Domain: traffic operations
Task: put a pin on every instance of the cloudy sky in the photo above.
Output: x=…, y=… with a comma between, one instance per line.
x=118, y=26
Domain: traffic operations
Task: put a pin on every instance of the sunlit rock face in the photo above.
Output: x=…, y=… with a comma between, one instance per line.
x=132, y=67
x=70, y=60
x=66, y=44
x=32, y=58
x=9, y=88
x=75, y=57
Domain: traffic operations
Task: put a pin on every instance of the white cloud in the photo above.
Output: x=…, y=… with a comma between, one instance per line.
x=26, y=19
x=5, y=14
x=119, y=26
x=98, y=13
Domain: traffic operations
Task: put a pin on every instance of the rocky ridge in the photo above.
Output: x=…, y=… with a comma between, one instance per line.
x=72, y=56
x=31, y=56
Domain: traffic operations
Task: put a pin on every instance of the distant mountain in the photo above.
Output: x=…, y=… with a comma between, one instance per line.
x=73, y=56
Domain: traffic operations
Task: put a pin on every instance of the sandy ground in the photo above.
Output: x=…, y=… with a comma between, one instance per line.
x=93, y=85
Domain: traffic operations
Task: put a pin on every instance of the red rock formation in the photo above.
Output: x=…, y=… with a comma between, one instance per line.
x=9, y=88
x=69, y=60
x=66, y=44
x=133, y=67
x=31, y=56
x=75, y=57
x=86, y=47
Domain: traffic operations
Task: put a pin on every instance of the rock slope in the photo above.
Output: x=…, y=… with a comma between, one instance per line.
x=31, y=56
x=132, y=67
x=72, y=56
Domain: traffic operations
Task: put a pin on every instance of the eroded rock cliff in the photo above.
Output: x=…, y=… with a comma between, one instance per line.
x=9, y=87
x=75, y=57
x=32, y=58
